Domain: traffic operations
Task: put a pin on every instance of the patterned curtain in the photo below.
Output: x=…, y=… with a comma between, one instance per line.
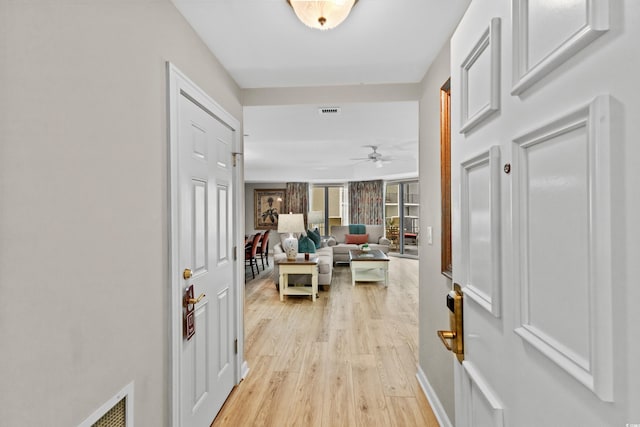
x=297, y=198
x=366, y=205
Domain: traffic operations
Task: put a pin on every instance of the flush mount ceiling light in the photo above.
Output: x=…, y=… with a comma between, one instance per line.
x=322, y=14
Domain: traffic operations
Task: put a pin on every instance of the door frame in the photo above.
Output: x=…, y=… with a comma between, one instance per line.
x=177, y=85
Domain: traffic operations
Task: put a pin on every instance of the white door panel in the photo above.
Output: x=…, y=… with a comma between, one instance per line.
x=561, y=197
x=482, y=404
x=480, y=233
x=532, y=245
x=205, y=244
x=223, y=226
x=550, y=23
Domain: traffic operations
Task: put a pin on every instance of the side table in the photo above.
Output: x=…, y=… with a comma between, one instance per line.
x=299, y=266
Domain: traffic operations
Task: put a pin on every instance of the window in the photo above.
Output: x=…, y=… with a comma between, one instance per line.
x=402, y=216
x=328, y=199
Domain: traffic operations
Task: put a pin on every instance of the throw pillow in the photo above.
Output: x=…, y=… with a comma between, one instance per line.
x=306, y=245
x=357, y=239
x=357, y=229
x=315, y=236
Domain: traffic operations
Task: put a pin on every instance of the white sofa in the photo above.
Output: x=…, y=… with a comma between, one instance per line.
x=376, y=240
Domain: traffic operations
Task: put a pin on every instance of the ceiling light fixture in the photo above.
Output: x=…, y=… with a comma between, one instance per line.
x=322, y=14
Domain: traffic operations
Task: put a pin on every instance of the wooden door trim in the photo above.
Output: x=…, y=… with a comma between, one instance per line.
x=446, y=266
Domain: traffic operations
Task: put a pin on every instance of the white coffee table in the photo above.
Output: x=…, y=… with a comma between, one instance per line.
x=369, y=266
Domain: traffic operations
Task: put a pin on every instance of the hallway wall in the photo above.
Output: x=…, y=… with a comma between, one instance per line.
x=83, y=203
x=434, y=360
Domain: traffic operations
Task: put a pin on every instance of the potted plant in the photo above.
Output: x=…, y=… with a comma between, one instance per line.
x=365, y=247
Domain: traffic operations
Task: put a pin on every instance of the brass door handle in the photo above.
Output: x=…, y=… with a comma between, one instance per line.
x=187, y=273
x=189, y=301
x=447, y=335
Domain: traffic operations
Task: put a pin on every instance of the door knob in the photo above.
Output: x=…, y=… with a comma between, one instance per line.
x=187, y=273
x=188, y=301
x=453, y=338
x=447, y=335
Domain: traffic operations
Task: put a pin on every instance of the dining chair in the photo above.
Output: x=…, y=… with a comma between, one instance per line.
x=263, y=248
x=250, y=252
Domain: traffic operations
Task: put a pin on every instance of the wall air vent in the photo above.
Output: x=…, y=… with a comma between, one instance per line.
x=116, y=412
x=329, y=110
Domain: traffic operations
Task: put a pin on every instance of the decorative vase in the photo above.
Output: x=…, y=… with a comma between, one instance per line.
x=290, y=246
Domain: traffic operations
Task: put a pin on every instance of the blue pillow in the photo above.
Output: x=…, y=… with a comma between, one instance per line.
x=357, y=229
x=306, y=245
x=315, y=236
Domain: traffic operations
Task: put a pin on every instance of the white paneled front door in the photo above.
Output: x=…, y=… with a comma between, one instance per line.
x=204, y=258
x=535, y=199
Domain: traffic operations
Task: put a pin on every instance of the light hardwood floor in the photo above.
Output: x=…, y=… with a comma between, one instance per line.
x=349, y=359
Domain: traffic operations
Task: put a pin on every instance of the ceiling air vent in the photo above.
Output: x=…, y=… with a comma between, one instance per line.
x=329, y=110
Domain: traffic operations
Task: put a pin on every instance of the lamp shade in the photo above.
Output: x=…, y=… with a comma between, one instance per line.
x=290, y=223
x=322, y=14
x=315, y=217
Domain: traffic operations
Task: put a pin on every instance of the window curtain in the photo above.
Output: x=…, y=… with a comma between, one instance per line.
x=297, y=198
x=366, y=204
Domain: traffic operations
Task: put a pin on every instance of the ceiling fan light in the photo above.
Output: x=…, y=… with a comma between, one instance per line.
x=378, y=163
x=322, y=14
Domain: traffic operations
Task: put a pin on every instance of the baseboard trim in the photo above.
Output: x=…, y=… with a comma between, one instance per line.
x=244, y=370
x=432, y=397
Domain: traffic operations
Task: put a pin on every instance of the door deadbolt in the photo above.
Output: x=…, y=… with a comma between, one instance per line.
x=187, y=273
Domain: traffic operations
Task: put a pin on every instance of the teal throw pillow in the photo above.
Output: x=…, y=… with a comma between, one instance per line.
x=357, y=229
x=315, y=236
x=306, y=245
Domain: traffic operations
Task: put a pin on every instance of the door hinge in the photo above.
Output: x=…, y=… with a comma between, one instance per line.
x=235, y=345
x=235, y=158
x=235, y=253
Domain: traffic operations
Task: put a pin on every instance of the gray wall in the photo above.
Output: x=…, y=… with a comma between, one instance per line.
x=83, y=203
x=434, y=360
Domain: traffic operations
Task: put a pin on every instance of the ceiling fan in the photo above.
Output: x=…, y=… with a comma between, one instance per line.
x=375, y=157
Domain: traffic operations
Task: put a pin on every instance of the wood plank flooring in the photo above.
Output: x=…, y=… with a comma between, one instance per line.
x=349, y=359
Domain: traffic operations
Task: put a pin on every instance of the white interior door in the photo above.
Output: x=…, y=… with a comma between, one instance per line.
x=535, y=200
x=205, y=230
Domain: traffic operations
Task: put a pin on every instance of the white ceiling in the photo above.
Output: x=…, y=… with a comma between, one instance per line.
x=263, y=45
x=299, y=143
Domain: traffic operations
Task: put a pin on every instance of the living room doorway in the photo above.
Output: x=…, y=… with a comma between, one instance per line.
x=402, y=217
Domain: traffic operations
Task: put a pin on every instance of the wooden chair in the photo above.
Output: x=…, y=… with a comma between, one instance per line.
x=263, y=248
x=250, y=252
x=393, y=234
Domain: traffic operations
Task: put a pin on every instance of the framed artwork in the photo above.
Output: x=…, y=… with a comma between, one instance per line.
x=268, y=205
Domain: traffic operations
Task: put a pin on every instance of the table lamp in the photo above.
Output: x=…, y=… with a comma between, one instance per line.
x=315, y=218
x=290, y=223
